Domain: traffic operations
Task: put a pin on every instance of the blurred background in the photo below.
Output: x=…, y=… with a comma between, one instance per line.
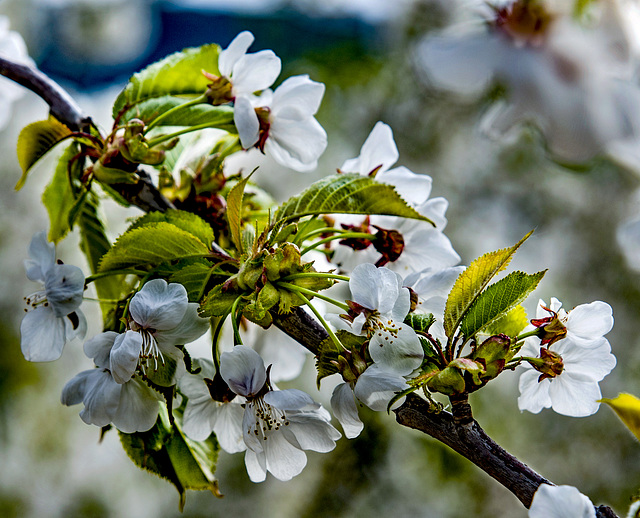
x=52, y=464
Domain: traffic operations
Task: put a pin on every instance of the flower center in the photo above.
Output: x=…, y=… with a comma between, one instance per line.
x=150, y=348
x=525, y=21
x=268, y=418
x=39, y=298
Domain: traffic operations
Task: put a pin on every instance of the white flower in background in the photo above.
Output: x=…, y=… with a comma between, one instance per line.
x=13, y=48
x=278, y=424
x=423, y=245
x=55, y=317
x=281, y=123
x=161, y=318
x=560, y=502
x=586, y=324
x=572, y=82
x=379, y=307
x=569, y=384
x=131, y=406
x=204, y=415
x=248, y=73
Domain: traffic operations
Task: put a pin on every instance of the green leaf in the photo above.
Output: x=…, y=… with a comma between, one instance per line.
x=217, y=303
x=194, y=277
x=152, y=244
x=35, y=140
x=58, y=197
x=186, y=221
x=148, y=110
x=165, y=451
x=349, y=194
x=497, y=300
x=177, y=74
x=510, y=324
x=627, y=408
x=472, y=281
x=420, y=322
x=234, y=212
x=328, y=354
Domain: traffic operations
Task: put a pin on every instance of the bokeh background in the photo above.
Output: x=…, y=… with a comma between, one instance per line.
x=52, y=464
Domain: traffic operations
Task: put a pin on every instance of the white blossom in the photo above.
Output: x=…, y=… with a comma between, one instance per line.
x=560, y=502
x=55, y=317
x=425, y=246
x=248, y=73
x=277, y=424
x=131, y=406
x=281, y=123
x=161, y=318
x=573, y=392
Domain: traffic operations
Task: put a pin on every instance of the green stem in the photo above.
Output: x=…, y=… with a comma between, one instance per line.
x=533, y=332
x=101, y=301
x=163, y=138
x=215, y=339
x=234, y=322
x=328, y=329
x=100, y=275
x=301, y=236
x=300, y=290
x=346, y=235
x=193, y=102
x=316, y=274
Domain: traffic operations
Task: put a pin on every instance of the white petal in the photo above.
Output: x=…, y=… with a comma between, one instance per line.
x=290, y=399
x=344, y=406
x=594, y=362
x=190, y=328
x=284, y=461
x=298, y=97
x=574, y=396
x=379, y=150
x=99, y=347
x=296, y=143
x=254, y=72
x=560, y=502
x=375, y=388
x=42, y=335
x=256, y=465
x=246, y=121
x=236, y=49
x=137, y=409
x=534, y=396
x=159, y=305
x=590, y=321
x=125, y=355
x=243, y=370
x=75, y=389
x=312, y=431
x=413, y=188
x=73, y=328
x=43, y=257
x=400, y=354
x=64, y=285
x=228, y=427
x=374, y=288
x=101, y=398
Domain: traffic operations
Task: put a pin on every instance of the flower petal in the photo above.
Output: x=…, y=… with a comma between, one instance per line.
x=190, y=328
x=376, y=387
x=256, y=465
x=43, y=257
x=138, y=408
x=254, y=72
x=378, y=150
x=125, y=355
x=236, y=49
x=159, y=305
x=290, y=399
x=312, y=431
x=64, y=286
x=399, y=353
x=243, y=370
x=228, y=427
x=42, y=335
x=574, y=396
x=284, y=461
x=590, y=321
x=296, y=143
x=297, y=98
x=560, y=502
x=534, y=395
x=246, y=121
x=99, y=348
x=344, y=406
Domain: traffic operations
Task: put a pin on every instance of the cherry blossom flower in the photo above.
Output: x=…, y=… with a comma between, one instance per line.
x=423, y=245
x=379, y=307
x=248, y=73
x=585, y=325
x=161, y=318
x=131, y=406
x=570, y=375
x=281, y=123
x=560, y=502
x=278, y=425
x=13, y=48
x=204, y=415
x=55, y=317
x=570, y=81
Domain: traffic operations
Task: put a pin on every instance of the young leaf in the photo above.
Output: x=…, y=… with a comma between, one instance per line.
x=627, y=407
x=148, y=110
x=35, y=140
x=327, y=356
x=186, y=221
x=217, y=303
x=349, y=194
x=194, y=277
x=177, y=74
x=497, y=300
x=420, y=322
x=510, y=324
x=152, y=244
x=58, y=197
x=234, y=212
x=472, y=281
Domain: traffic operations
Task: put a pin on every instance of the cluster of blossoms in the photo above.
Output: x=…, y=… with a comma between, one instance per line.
x=572, y=80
